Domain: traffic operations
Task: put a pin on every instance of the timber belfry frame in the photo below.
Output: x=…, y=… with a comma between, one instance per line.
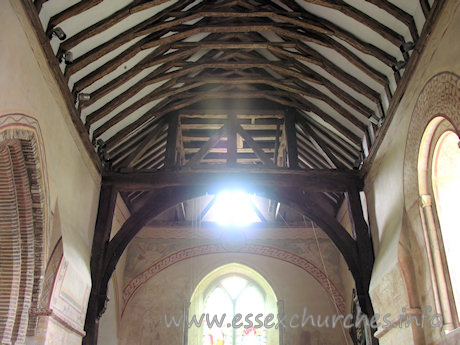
x=295, y=188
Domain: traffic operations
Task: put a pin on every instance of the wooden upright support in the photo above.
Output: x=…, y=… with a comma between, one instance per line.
x=171, y=149
x=291, y=139
x=231, y=140
x=107, y=200
x=365, y=249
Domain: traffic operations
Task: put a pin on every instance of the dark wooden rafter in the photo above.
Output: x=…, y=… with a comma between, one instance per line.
x=118, y=16
x=276, y=52
x=156, y=31
x=334, y=140
x=399, y=14
x=113, y=43
x=151, y=60
x=120, y=154
x=111, y=122
x=321, y=146
x=157, y=57
x=73, y=10
x=307, y=91
x=144, y=145
x=309, y=153
x=197, y=97
x=38, y=4
x=425, y=7
x=361, y=17
x=193, y=48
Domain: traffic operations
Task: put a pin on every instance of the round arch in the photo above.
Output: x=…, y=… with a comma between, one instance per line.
x=437, y=109
x=24, y=224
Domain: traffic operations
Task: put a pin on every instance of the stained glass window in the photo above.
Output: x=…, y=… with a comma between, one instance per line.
x=234, y=295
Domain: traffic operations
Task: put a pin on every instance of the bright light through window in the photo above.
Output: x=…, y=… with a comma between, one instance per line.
x=234, y=208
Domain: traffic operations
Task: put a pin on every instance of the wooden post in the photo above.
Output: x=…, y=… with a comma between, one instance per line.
x=107, y=200
x=231, y=140
x=365, y=253
x=170, y=160
x=291, y=139
x=277, y=142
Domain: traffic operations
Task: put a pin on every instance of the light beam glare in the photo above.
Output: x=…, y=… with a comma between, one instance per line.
x=234, y=208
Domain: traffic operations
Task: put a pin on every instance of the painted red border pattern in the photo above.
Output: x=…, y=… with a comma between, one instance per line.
x=130, y=290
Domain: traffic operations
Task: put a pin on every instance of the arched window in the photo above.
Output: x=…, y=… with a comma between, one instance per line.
x=439, y=187
x=232, y=295
x=233, y=289
x=446, y=190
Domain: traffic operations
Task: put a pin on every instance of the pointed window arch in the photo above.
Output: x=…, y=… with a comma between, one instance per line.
x=233, y=289
x=231, y=295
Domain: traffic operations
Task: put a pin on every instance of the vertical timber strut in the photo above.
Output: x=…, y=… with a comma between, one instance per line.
x=107, y=200
x=365, y=252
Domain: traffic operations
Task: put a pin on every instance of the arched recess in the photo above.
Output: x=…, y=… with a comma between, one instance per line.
x=23, y=225
x=204, y=288
x=437, y=110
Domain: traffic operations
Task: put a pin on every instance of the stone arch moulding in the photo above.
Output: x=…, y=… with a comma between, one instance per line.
x=327, y=285
x=24, y=157
x=439, y=99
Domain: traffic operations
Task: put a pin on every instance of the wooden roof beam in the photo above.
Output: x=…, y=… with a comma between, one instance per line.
x=306, y=90
x=144, y=145
x=399, y=14
x=70, y=12
x=118, y=16
x=310, y=181
x=354, y=13
x=320, y=145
